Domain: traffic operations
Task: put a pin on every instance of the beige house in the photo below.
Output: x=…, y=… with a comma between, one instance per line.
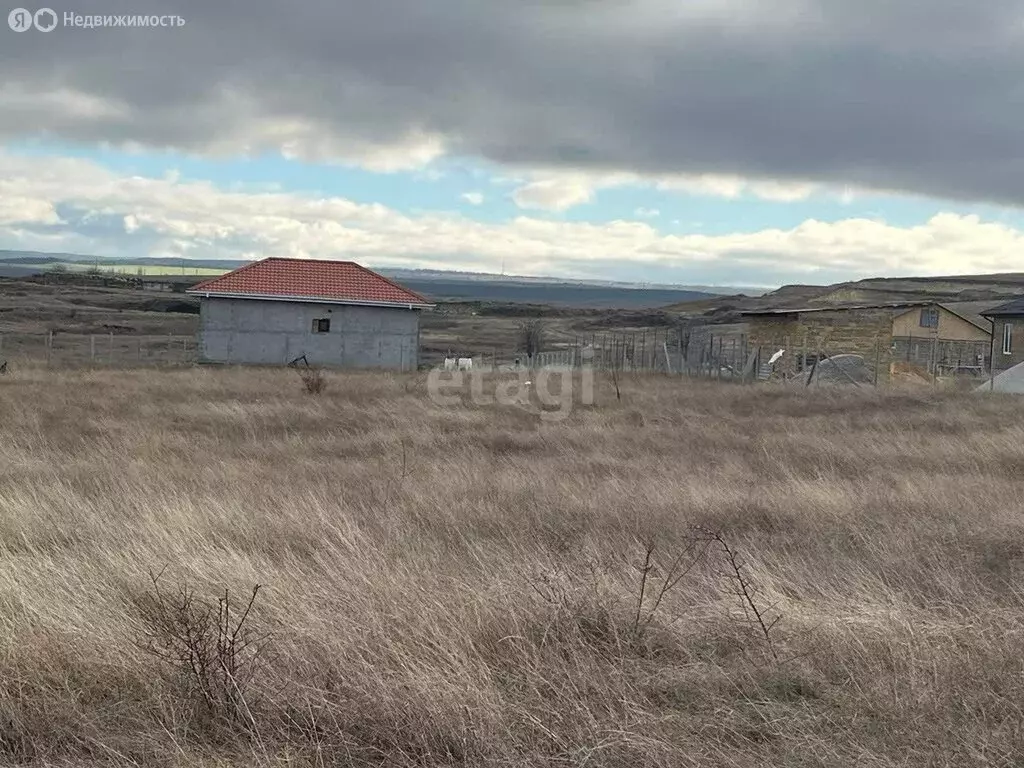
x=961, y=321
x=943, y=338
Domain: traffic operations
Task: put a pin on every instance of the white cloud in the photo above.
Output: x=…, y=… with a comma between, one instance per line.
x=19, y=209
x=300, y=140
x=140, y=216
x=557, y=194
x=734, y=187
x=556, y=189
x=473, y=198
x=249, y=131
x=647, y=213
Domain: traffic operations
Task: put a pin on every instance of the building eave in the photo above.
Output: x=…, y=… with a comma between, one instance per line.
x=994, y=315
x=1012, y=308
x=309, y=299
x=832, y=308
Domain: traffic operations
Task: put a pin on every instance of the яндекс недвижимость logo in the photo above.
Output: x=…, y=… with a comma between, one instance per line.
x=22, y=19
x=46, y=19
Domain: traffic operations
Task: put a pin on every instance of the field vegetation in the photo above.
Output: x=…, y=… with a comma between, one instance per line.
x=207, y=568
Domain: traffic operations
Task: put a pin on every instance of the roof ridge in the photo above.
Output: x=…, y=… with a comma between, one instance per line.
x=390, y=282
x=312, y=279
x=234, y=271
x=299, y=258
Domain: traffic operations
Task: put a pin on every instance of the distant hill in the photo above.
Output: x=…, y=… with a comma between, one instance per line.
x=437, y=285
x=972, y=292
x=880, y=290
x=550, y=294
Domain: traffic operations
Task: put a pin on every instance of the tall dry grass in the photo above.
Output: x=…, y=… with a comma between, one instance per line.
x=462, y=586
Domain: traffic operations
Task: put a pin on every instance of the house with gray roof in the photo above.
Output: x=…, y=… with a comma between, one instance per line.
x=1007, y=334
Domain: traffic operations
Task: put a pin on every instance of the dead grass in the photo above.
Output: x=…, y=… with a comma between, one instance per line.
x=476, y=602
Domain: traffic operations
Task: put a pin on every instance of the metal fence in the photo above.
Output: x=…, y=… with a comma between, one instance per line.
x=718, y=352
x=111, y=349
x=654, y=350
x=729, y=353
x=942, y=357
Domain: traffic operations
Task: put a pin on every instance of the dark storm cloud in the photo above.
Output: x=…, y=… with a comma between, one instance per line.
x=896, y=94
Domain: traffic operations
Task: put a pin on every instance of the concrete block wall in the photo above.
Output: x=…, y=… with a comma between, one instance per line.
x=1001, y=362
x=264, y=332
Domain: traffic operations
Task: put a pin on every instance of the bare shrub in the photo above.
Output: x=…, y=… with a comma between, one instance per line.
x=532, y=334
x=313, y=380
x=762, y=617
x=209, y=646
x=658, y=577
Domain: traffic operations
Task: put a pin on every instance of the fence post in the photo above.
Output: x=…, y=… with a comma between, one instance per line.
x=49, y=345
x=878, y=354
x=92, y=348
x=1, y=345
x=138, y=349
x=110, y=349
x=684, y=350
x=682, y=364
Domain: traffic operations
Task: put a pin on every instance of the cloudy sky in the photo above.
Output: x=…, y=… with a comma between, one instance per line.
x=681, y=141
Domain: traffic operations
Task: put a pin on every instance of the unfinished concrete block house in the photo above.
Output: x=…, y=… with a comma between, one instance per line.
x=332, y=313
x=1007, y=334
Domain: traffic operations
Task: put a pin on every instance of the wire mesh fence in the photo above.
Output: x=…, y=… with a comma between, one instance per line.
x=112, y=349
x=717, y=352
x=729, y=353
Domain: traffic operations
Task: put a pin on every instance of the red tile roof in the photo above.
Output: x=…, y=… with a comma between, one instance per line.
x=340, y=281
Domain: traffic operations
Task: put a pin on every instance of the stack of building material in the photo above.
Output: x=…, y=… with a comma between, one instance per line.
x=1010, y=380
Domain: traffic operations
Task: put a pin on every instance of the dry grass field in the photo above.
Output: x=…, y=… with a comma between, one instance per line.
x=691, y=576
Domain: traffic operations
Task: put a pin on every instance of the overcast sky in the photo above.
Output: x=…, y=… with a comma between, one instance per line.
x=698, y=141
